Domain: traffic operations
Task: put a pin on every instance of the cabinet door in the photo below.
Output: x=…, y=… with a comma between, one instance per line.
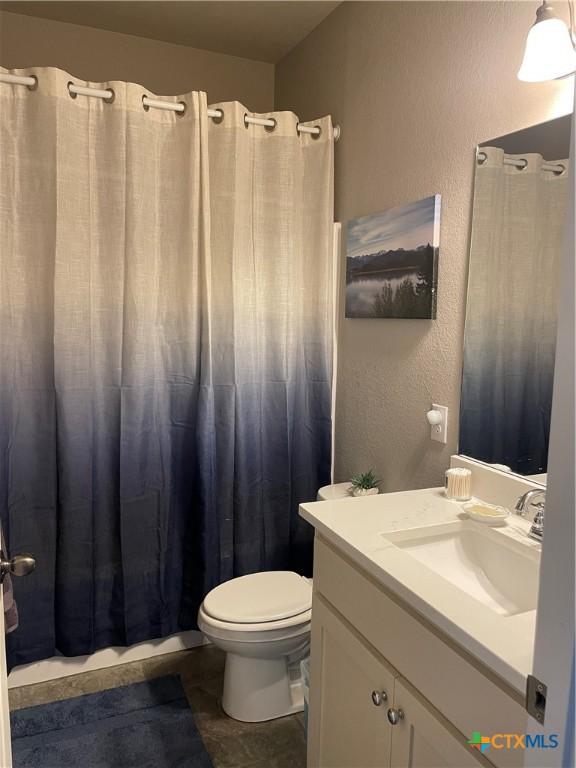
x=421, y=738
x=348, y=728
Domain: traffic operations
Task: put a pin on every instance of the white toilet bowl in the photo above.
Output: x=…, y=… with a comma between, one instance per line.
x=262, y=621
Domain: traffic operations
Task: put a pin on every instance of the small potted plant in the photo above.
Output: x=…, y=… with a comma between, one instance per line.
x=365, y=484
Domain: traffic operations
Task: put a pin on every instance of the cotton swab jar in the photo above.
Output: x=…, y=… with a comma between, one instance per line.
x=458, y=484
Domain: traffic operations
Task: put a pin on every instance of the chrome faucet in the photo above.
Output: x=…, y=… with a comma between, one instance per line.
x=537, y=527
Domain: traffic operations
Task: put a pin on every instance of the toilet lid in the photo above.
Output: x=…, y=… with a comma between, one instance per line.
x=335, y=491
x=260, y=597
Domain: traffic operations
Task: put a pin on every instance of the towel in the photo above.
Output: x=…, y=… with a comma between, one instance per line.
x=10, y=608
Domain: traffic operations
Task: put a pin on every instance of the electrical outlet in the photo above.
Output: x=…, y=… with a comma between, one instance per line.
x=439, y=432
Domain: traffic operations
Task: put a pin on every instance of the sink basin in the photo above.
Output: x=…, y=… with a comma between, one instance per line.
x=490, y=567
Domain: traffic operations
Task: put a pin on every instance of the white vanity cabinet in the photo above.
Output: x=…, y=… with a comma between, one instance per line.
x=355, y=693
x=353, y=689
x=373, y=661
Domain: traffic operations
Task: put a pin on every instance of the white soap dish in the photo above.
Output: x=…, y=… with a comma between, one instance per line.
x=489, y=514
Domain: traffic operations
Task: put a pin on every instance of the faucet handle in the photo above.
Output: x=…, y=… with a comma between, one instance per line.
x=537, y=527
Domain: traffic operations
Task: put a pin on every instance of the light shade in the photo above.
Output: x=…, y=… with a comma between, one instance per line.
x=549, y=52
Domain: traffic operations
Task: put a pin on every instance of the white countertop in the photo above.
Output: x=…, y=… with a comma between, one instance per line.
x=358, y=527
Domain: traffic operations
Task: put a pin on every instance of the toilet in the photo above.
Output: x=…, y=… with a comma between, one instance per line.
x=262, y=622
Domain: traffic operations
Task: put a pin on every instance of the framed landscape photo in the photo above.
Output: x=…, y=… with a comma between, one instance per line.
x=392, y=262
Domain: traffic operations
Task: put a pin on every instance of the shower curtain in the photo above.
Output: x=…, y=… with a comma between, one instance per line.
x=165, y=355
x=510, y=337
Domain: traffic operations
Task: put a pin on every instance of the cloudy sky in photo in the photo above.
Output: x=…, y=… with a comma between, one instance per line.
x=407, y=226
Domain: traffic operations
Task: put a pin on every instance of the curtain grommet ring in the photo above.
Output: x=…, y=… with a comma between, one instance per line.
x=316, y=136
x=112, y=96
x=481, y=158
x=70, y=93
x=522, y=167
x=181, y=112
x=562, y=170
x=218, y=118
x=246, y=123
x=271, y=128
x=145, y=107
x=34, y=86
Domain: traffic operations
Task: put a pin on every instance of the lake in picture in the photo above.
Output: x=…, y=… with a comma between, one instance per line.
x=392, y=262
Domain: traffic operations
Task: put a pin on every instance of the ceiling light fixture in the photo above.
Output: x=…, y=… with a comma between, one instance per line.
x=549, y=52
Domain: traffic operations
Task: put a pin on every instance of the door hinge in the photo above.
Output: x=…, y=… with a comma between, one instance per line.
x=536, y=698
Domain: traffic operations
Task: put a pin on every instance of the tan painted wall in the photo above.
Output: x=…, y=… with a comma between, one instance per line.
x=415, y=86
x=165, y=69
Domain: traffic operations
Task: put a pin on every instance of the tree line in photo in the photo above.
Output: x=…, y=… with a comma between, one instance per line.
x=414, y=295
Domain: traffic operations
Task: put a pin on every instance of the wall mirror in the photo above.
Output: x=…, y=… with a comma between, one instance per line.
x=516, y=249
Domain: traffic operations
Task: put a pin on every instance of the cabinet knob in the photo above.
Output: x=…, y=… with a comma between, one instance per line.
x=395, y=715
x=379, y=697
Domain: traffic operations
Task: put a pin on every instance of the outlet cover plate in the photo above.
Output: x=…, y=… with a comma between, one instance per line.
x=439, y=432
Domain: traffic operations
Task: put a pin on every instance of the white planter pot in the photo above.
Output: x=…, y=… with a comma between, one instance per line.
x=365, y=491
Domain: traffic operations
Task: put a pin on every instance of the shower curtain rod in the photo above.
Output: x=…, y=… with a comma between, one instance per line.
x=108, y=95
x=519, y=162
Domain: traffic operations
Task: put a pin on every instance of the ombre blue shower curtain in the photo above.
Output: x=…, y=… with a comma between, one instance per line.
x=165, y=355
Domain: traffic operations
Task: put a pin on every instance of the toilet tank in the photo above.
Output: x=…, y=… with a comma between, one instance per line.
x=334, y=492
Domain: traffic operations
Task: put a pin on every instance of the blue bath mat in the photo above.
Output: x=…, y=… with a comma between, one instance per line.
x=142, y=725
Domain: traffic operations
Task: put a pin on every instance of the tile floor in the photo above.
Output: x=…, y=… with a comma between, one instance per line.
x=231, y=744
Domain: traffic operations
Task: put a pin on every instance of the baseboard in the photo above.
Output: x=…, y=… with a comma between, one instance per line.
x=63, y=666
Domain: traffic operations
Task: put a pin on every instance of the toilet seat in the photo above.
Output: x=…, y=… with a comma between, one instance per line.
x=267, y=631
x=280, y=598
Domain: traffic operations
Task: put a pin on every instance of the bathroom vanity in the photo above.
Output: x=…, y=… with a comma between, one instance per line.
x=422, y=633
